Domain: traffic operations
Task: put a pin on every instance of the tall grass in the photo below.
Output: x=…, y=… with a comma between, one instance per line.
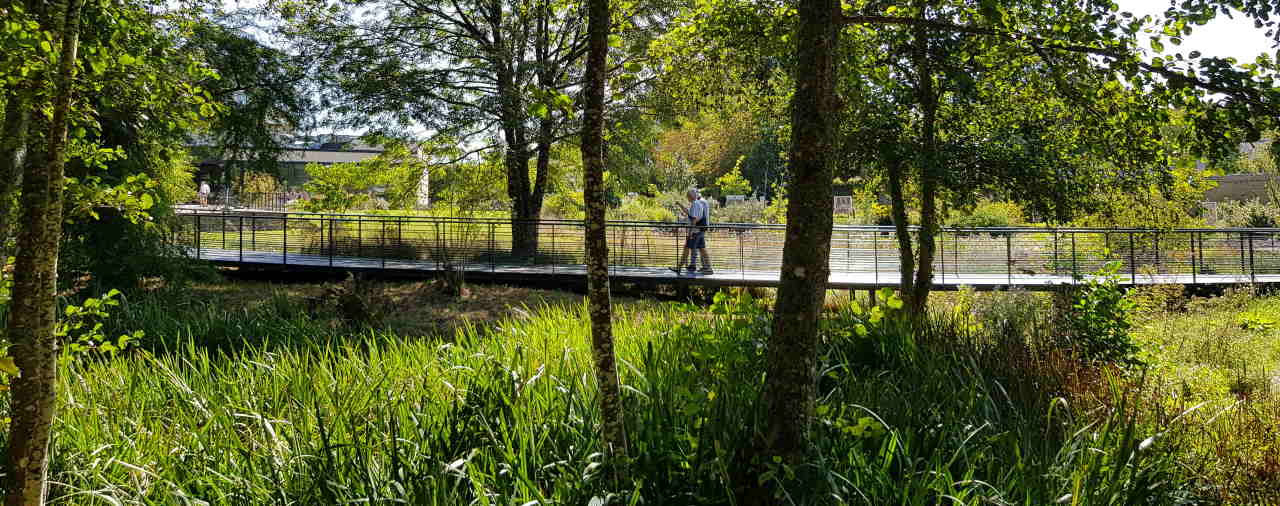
x=293, y=414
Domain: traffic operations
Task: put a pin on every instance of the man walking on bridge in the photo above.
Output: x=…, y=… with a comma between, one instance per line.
x=695, y=243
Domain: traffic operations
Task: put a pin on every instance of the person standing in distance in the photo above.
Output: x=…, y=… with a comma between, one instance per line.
x=204, y=192
x=695, y=243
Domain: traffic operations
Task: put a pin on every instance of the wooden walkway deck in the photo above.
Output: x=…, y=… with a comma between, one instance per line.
x=576, y=273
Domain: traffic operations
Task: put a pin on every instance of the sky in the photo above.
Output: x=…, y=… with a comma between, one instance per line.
x=1221, y=37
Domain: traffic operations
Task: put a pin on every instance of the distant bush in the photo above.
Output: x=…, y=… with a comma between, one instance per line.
x=989, y=214
x=257, y=182
x=641, y=209
x=565, y=206
x=747, y=211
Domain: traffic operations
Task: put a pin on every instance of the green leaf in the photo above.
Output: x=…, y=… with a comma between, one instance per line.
x=8, y=366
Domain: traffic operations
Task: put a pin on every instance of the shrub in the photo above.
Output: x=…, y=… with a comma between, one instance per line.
x=257, y=182
x=641, y=209
x=989, y=214
x=1099, y=320
x=565, y=206
x=747, y=211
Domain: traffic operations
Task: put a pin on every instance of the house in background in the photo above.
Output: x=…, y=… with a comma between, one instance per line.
x=1240, y=187
x=290, y=166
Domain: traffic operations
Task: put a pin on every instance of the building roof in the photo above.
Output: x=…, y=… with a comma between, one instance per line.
x=321, y=156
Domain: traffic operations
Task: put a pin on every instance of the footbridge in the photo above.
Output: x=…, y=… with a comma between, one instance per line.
x=862, y=257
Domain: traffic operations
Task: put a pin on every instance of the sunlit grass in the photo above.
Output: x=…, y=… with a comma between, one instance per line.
x=252, y=406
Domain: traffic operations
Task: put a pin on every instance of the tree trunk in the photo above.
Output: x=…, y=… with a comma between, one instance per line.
x=31, y=315
x=906, y=256
x=792, y=354
x=919, y=297
x=524, y=216
x=597, y=247
x=13, y=139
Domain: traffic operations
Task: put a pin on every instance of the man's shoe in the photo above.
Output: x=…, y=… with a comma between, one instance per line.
x=691, y=268
x=706, y=270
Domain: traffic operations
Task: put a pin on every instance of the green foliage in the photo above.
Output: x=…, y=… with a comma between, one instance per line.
x=508, y=412
x=641, y=208
x=747, y=211
x=777, y=210
x=396, y=173
x=113, y=249
x=81, y=328
x=989, y=214
x=257, y=182
x=1099, y=322
x=259, y=90
x=1259, y=323
x=567, y=205
x=465, y=188
x=732, y=182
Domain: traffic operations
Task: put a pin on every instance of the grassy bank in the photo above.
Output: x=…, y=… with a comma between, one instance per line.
x=262, y=399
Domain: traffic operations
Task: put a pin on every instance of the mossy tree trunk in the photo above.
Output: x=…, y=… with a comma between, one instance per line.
x=32, y=316
x=792, y=354
x=13, y=139
x=597, y=248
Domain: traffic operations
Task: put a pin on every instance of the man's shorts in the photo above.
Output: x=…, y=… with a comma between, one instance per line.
x=696, y=240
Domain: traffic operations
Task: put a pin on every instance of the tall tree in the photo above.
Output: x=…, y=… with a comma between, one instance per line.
x=263, y=92
x=31, y=315
x=792, y=354
x=596, y=242
x=929, y=30
x=495, y=74
x=18, y=50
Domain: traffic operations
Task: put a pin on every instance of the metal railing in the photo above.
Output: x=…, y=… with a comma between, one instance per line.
x=265, y=201
x=963, y=256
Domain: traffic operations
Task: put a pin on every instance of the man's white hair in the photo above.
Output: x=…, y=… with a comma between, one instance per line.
x=692, y=193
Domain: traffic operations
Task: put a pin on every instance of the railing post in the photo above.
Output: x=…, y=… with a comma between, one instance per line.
x=1242, y=260
x=1008, y=256
x=382, y=241
x=1192, y=240
x=333, y=245
x=1075, y=265
x=875, y=253
x=359, y=237
x=223, y=221
x=493, y=261
x=942, y=253
x=1156, y=239
x=742, y=258
x=240, y=237
x=198, y=236
x=848, y=250
x=1055, y=252
x=1252, y=276
x=1133, y=263
x=284, y=250
x=1200, y=249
